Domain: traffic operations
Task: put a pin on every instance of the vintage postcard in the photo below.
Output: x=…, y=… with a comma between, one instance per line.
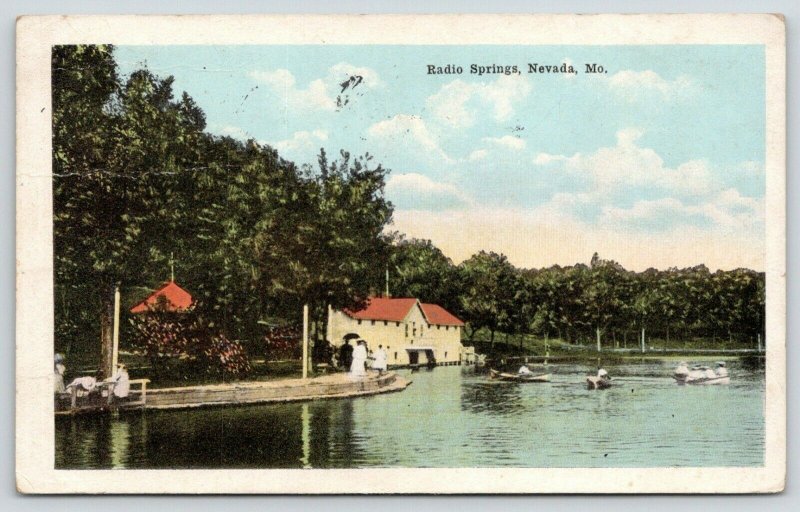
x=401, y=254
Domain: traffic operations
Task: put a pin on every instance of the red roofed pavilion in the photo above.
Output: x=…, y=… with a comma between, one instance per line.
x=175, y=299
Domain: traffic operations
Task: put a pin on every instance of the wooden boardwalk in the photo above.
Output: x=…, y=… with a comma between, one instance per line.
x=338, y=385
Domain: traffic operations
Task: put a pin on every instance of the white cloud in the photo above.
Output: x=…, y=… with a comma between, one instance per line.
x=726, y=212
x=455, y=104
x=282, y=82
x=417, y=191
x=302, y=140
x=235, y=132
x=530, y=239
x=635, y=85
x=343, y=71
x=318, y=94
x=506, y=141
x=616, y=169
x=410, y=132
x=478, y=154
x=547, y=158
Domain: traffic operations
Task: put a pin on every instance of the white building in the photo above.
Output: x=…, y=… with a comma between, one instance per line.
x=411, y=332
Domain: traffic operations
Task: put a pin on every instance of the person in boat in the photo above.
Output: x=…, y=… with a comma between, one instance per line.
x=524, y=371
x=379, y=358
x=722, y=369
x=682, y=371
x=709, y=373
x=603, y=375
x=58, y=373
x=357, y=367
x=697, y=372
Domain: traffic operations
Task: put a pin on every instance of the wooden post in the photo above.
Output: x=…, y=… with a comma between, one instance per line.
x=760, y=348
x=305, y=341
x=115, y=350
x=643, y=345
x=106, y=341
x=597, y=330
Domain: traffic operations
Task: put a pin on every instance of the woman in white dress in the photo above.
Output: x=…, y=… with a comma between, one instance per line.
x=357, y=368
x=379, y=360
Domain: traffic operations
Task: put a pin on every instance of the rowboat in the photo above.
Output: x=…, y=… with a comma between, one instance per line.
x=511, y=377
x=598, y=382
x=702, y=381
x=702, y=375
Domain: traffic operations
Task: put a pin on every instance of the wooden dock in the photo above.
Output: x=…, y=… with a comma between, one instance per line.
x=338, y=385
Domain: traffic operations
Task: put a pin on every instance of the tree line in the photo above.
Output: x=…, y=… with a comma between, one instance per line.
x=138, y=182
x=600, y=304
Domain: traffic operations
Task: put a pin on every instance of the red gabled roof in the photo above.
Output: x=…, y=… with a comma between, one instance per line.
x=177, y=299
x=395, y=310
x=437, y=315
x=383, y=308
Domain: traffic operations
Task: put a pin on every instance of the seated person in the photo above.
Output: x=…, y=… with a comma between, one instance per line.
x=83, y=385
x=524, y=370
x=121, y=380
x=722, y=370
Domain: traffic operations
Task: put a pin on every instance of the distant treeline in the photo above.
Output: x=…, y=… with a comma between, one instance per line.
x=580, y=303
x=138, y=180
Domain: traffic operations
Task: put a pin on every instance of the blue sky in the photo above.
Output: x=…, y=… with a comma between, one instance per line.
x=657, y=162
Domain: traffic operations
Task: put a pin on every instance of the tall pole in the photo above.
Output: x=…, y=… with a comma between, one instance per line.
x=597, y=330
x=643, y=346
x=305, y=341
x=115, y=350
x=171, y=267
x=387, y=282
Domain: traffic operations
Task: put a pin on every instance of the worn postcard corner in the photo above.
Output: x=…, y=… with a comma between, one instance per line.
x=401, y=254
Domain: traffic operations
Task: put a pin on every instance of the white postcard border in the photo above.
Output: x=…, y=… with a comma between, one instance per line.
x=34, y=334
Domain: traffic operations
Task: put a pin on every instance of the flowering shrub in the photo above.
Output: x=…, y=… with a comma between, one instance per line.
x=162, y=336
x=283, y=342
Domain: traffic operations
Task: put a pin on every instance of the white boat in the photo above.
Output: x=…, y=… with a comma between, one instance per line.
x=701, y=375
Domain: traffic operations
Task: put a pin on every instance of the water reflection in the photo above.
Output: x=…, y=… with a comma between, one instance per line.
x=448, y=417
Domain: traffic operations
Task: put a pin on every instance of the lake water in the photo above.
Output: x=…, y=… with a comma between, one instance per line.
x=449, y=417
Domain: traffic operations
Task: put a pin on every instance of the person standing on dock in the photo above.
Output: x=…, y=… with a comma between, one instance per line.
x=379, y=360
x=357, y=367
x=346, y=354
x=58, y=373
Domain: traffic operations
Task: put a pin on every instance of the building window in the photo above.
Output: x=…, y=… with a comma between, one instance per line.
x=445, y=355
x=359, y=322
x=372, y=322
x=385, y=322
x=398, y=324
x=421, y=330
x=395, y=356
x=438, y=327
x=406, y=330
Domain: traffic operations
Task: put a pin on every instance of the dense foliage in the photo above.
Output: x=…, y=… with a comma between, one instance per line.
x=581, y=303
x=137, y=179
